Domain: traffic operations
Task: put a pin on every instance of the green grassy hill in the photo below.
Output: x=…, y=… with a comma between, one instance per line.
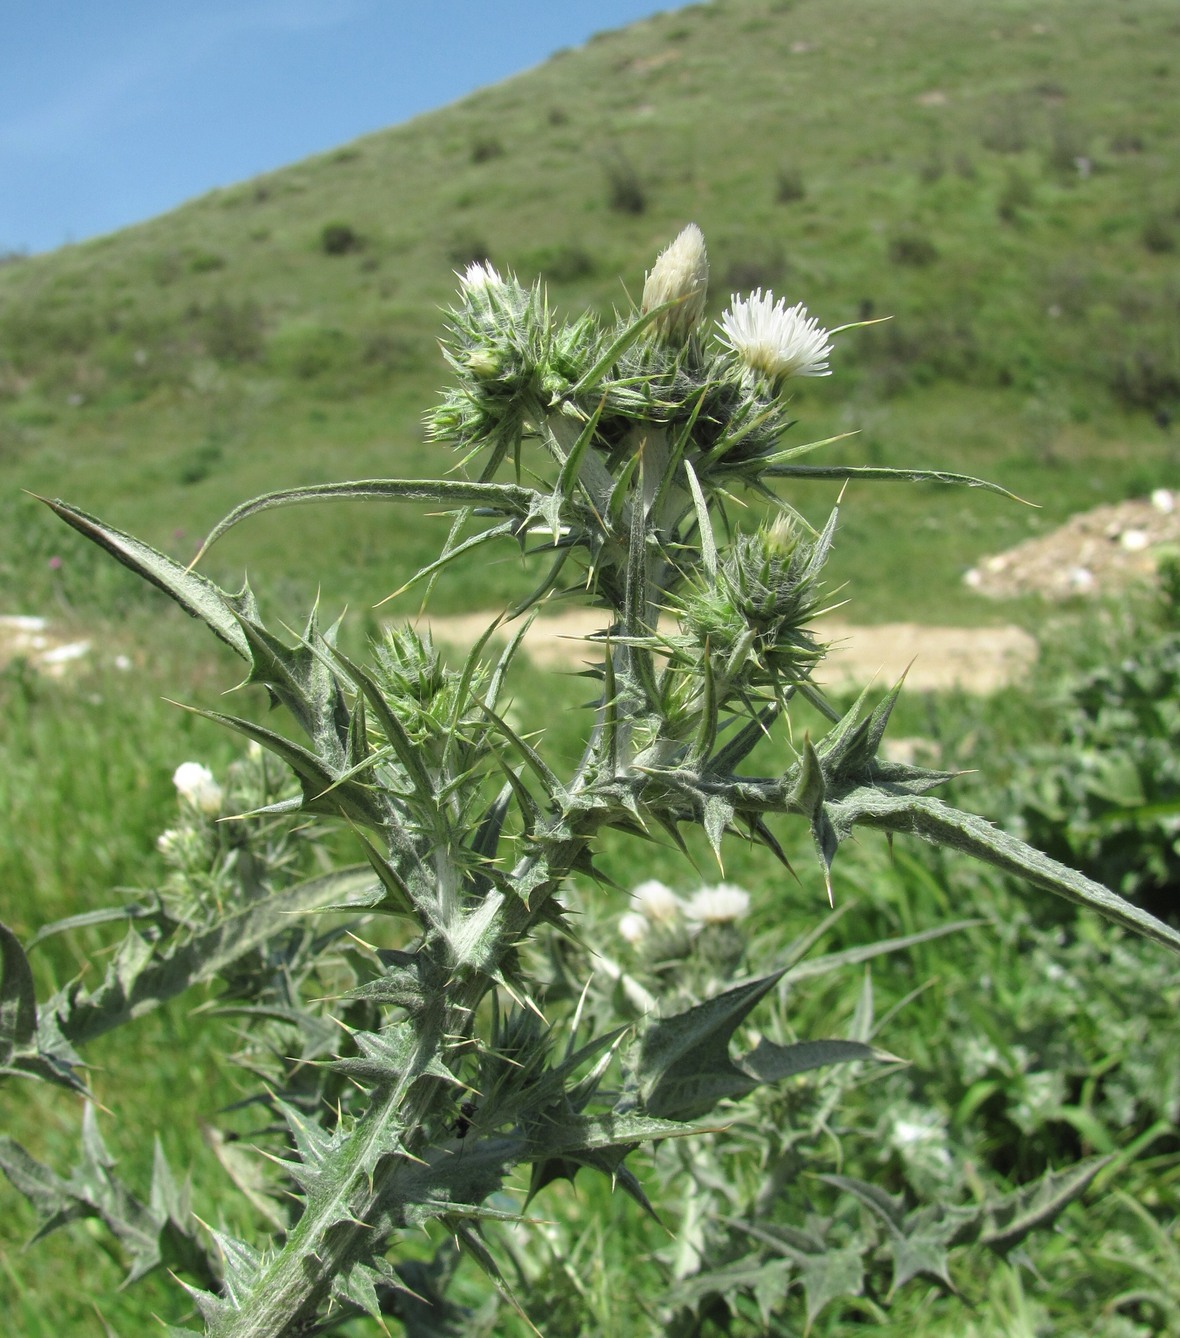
x=999, y=178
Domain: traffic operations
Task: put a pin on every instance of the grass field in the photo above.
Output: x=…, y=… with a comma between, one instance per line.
x=999, y=178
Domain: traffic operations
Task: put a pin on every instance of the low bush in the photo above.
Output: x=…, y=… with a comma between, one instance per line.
x=626, y=193
x=340, y=239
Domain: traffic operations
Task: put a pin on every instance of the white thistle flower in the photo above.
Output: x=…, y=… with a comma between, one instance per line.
x=656, y=902
x=775, y=339
x=196, y=786
x=718, y=905
x=633, y=928
x=680, y=274
x=479, y=277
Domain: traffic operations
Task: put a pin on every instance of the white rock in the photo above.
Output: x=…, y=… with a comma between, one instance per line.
x=1081, y=579
x=72, y=650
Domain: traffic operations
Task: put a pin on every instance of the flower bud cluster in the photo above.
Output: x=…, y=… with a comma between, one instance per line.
x=751, y=618
x=517, y=364
x=514, y=361
x=423, y=692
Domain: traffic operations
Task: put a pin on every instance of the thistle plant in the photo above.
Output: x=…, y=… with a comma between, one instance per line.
x=418, y=1036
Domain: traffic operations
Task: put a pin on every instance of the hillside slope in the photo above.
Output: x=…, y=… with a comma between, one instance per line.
x=999, y=178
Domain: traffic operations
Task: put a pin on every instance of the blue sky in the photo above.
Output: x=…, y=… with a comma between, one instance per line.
x=112, y=111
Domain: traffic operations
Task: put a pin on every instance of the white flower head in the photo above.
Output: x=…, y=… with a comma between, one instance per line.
x=633, y=928
x=718, y=905
x=775, y=339
x=680, y=275
x=196, y=786
x=478, y=278
x=656, y=902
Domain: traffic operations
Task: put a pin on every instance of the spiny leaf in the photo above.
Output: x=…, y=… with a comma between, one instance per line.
x=879, y=474
x=508, y=529
x=683, y=1066
x=299, y=678
x=79, y=1016
x=769, y=1062
x=935, y=821
x=242, y=1266
x=828, y=1276
x=48, y=1194
x=18, y=999
x=323, y=791
x=357, y=1284
x=768, y=1281
x=1014, y=1216
x=507, y=497
x=621, y=344
x=718, y=815
x=704, y=526
x=197, y=595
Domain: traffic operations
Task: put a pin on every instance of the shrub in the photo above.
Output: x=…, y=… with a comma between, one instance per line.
x=200, y=462
x=1015, y=198
x=1147, y=377
x=467, y=249
x=232, y=332
x=1006, y=128
x=1068, y=155
x=1159, y=235
x=339, y=239
x=754, y=263
x=485, y=149
x=1104, y=796
x=205, y=262
x=308, y=351
x=788, y=186
x=625, y=190
x=913, y=248
x=565, y=263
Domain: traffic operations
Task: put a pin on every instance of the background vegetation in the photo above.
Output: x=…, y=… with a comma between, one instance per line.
x=1001, y=180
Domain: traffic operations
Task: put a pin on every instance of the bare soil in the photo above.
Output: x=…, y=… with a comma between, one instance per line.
x=977, y=659
x=1096, y=552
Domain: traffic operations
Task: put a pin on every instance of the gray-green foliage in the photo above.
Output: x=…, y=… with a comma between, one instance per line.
x=404, y=1080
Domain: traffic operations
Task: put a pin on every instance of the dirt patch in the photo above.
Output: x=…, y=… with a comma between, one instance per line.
x=976, y=659
x=1097, y=552
x=33, y=639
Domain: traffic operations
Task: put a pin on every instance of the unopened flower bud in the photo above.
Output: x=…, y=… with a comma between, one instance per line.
x=483, y=363
x=479, y=277
x=680, y=275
